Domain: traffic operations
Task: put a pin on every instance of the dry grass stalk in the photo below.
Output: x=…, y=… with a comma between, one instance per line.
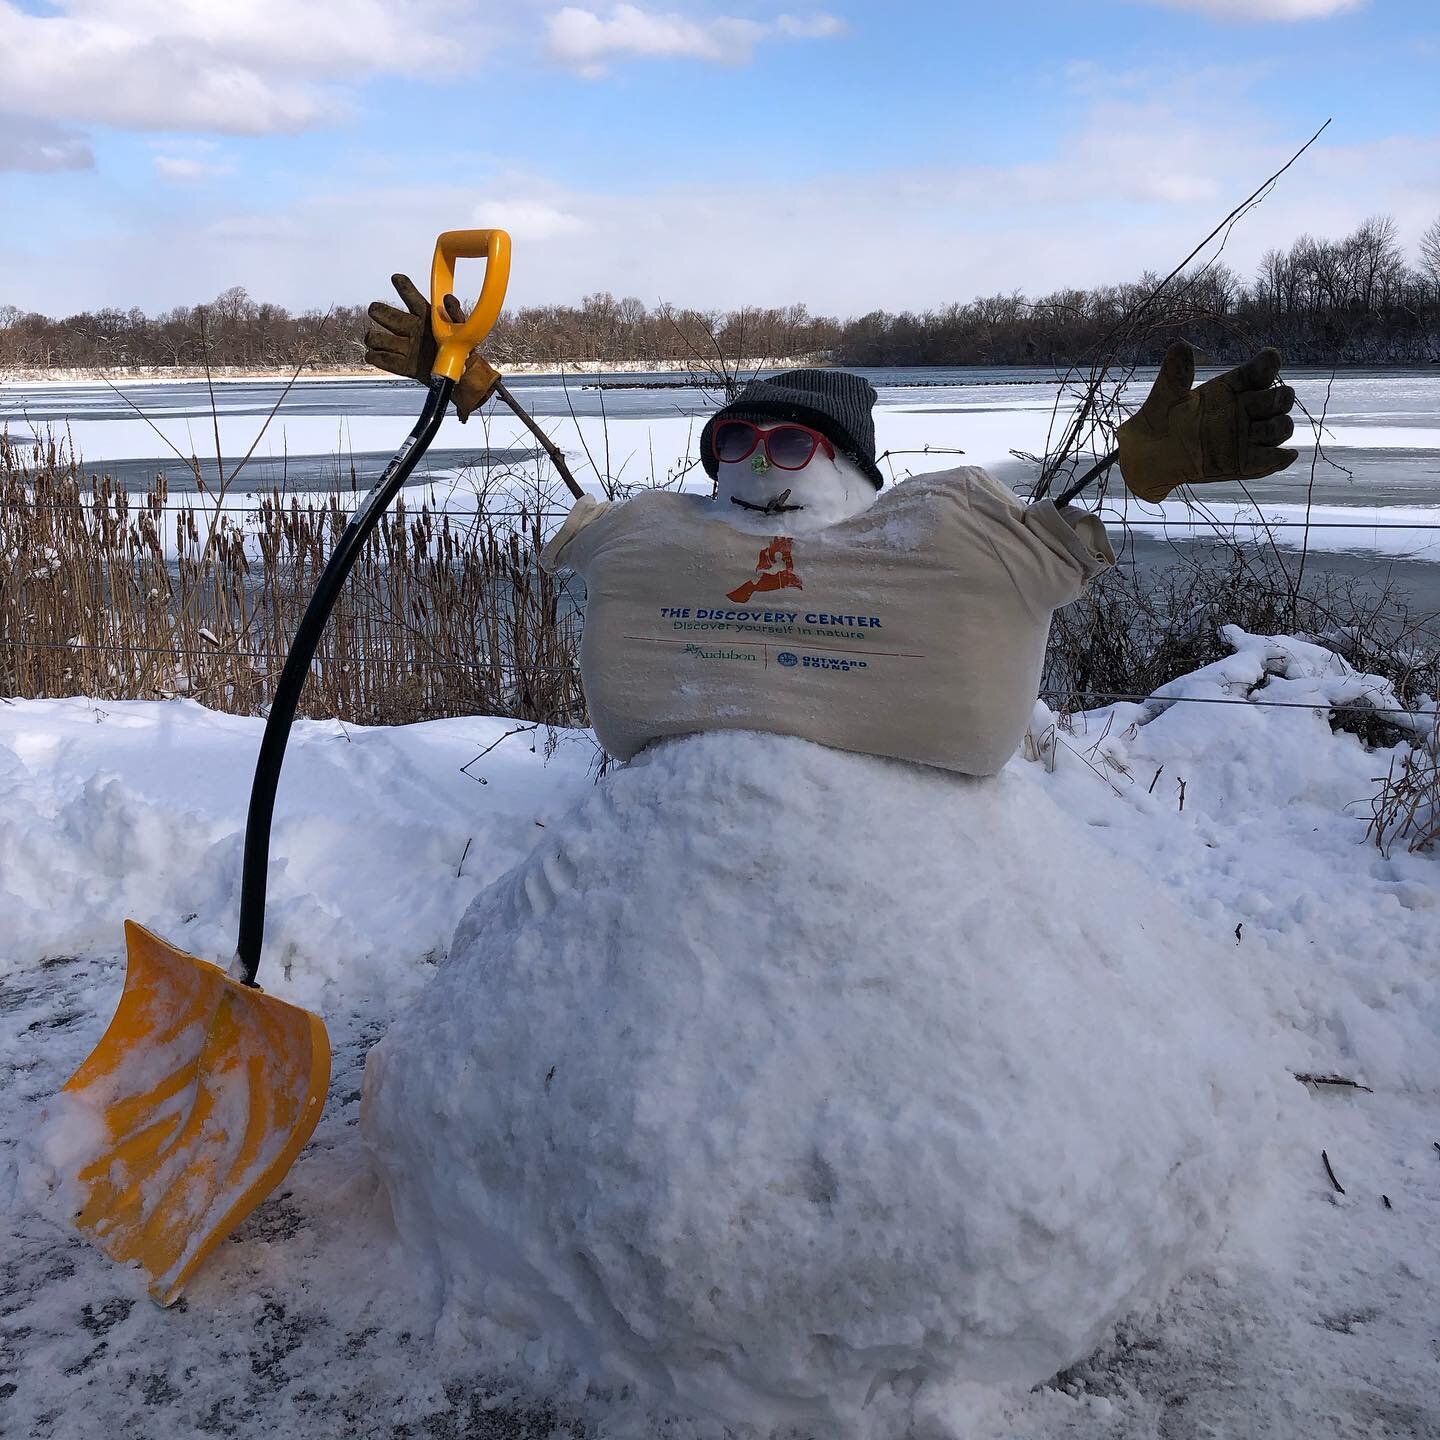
x=1407, y=808
x=124, y=595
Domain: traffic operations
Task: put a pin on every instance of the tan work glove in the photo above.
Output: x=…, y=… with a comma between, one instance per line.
x=402, y=342
x=1231, y=428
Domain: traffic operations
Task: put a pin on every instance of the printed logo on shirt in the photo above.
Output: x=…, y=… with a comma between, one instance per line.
x=775, y=570
x=701, y=653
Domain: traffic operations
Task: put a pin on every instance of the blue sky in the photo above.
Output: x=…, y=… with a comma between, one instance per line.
x=850, y=156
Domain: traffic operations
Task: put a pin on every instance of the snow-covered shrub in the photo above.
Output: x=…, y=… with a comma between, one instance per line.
x=1135, y=630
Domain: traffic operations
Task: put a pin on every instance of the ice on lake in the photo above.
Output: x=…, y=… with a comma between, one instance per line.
x=1375, y=477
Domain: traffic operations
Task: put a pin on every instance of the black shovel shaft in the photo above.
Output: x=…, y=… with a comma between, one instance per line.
x=297, y=668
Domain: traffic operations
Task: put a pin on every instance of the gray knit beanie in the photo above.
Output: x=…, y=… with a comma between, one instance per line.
x=834, y=402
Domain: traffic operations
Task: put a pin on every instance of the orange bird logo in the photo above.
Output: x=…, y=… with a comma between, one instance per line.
x=775, y=570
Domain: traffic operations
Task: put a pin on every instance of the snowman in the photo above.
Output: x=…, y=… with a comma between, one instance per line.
x=774, y=1086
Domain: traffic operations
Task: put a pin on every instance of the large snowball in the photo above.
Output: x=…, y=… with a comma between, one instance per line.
x=798, y=1087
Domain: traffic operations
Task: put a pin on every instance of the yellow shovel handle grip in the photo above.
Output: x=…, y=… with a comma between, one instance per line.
x=456, y=341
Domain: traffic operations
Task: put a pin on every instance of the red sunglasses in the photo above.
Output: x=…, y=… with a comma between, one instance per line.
x=787, y=447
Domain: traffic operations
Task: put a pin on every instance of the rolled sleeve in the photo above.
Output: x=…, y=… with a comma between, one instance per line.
x=1082, y=534
x=560, y=552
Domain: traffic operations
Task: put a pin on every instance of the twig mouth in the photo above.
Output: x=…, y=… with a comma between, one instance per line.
x=774, y=506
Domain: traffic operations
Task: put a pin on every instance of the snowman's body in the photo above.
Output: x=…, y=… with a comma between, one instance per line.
x=771, y=1086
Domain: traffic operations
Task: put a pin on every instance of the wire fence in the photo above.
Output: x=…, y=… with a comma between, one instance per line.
x=204, y=506
x=229, y=508
x=264, y=658
x=572, y=671
x=1357, y=704
x=439, y=619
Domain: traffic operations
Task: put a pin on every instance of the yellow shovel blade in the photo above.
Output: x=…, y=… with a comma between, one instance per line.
x=204, y=1091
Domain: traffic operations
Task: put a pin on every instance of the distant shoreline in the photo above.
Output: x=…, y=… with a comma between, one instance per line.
x=117, y=375
x=236, y=374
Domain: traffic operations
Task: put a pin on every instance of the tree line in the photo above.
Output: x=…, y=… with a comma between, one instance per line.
x=1355, y=300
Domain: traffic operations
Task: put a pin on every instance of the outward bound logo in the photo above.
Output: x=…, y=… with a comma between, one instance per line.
x=788, y=658
x=775, y=570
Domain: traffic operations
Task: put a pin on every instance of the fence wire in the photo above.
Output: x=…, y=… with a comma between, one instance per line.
x=208, y=510
x=519, y=667
x=267, y=657
x=1181, y=530
x=212, y=509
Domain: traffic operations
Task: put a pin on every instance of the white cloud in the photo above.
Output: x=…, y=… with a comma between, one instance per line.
x=1174, y=186
x=186, y=169
x=527, y=218
x=1263, y=9
x=585, y=42
x=1095, y=208
x=38, y=146
x=235, y=66
x=810, y=27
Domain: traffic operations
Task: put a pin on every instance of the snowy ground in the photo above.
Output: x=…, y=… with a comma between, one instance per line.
x=1317, y=1316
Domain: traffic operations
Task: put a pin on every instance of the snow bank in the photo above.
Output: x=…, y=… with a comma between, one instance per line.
x=137, y=809
x=108, y=809
x=1254, y=818
x=801, y=1087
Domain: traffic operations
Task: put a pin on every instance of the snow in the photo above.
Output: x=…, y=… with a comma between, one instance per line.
x=789, y=1110
x=1294, y=672
x=99, y=800
x=984, y=422
x=623, y=448
x=1300, y=1311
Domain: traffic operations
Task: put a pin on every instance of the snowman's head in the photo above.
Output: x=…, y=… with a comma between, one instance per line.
x=796, y=450
x=775, y=468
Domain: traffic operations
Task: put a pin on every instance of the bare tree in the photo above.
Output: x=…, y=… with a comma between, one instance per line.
x=1349, y=300
x=1430, y=252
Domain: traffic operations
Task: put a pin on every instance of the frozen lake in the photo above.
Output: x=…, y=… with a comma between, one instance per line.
x=1376, y=477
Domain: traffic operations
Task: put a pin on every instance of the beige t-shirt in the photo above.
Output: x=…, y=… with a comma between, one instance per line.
x=915, y=630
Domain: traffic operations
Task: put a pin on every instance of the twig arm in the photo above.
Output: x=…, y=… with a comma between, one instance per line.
x=556, y=454
x=1098, y=468
x=1124, y=329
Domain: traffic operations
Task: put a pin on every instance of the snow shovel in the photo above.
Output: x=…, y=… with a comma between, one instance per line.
x=204, y=1089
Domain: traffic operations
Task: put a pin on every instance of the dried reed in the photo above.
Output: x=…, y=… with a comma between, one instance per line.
x=119, y=594
x=1406, y=810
